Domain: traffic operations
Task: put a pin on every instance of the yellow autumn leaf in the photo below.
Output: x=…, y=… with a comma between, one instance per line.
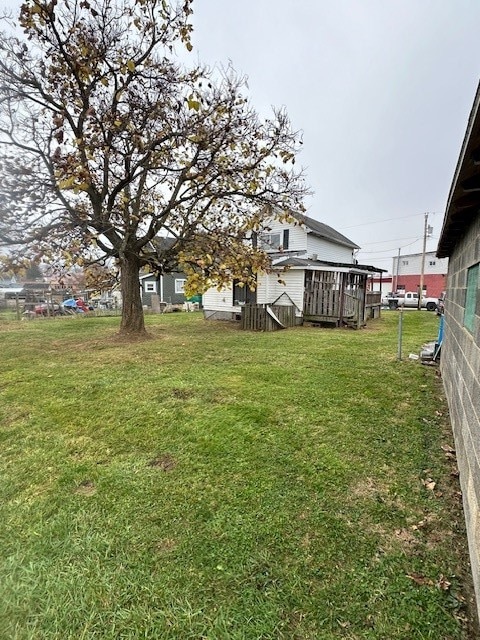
x=194, y=104
x=67, y=183
x=131, y=65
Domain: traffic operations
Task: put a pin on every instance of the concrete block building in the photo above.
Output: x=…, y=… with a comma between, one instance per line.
x=460, y=360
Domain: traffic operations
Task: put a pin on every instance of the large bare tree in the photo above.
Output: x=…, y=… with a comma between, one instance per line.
x=107, y=142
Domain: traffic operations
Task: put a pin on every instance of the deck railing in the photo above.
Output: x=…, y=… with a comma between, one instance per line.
x=373, y=297
x=321, y=302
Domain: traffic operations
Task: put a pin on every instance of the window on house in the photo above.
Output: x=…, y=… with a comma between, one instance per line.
x=432, y=263
x=270, y=241
x=472, y=300
x=179, y=284
x=404, y=263
x=242, y=294
x=150, y=287
x=275, y=241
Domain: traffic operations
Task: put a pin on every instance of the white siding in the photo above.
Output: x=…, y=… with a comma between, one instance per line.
x=302, y=242
x=297, y=237
x=214, y=300
x=327, y=250
x=411, y=265
x=269, y=289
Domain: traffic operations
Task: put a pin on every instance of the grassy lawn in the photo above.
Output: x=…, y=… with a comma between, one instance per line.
x=218, y=484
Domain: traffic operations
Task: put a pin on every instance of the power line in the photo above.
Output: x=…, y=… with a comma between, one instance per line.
x=363, y=224
x=386, y=259
x=394, y=249
x=392, y=240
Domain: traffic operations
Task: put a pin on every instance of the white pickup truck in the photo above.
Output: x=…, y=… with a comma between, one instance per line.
x=410, y=300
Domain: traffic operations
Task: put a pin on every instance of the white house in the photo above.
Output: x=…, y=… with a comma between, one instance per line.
x=314, y=270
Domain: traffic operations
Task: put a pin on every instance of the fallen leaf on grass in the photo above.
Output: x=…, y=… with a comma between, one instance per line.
x=443, y=583
x=419, y=579
x=449, y=451
x=430, y=484
x=447, y=448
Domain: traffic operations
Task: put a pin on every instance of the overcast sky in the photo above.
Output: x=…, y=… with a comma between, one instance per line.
x=381, y=89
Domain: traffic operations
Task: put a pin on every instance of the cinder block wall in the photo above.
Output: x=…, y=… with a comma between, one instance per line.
x=460, y=366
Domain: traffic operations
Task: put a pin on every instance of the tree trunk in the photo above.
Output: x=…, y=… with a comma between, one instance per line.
x=133, y=321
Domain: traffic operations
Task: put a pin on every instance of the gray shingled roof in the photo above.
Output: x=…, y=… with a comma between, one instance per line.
x=324, y=231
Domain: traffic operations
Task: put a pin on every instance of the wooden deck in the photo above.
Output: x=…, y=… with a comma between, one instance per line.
x=335, y=297
x=330, y=297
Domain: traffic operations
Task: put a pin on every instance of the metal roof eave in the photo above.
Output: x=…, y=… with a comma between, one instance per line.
x=324, y=265
x=457, y=218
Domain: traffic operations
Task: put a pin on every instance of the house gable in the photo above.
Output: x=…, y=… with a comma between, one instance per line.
x=310, y=239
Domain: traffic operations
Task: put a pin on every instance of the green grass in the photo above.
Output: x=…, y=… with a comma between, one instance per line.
x=218, y=484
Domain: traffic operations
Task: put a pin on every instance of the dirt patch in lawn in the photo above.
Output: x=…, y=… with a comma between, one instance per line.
x=165, y=462
x=86, y=488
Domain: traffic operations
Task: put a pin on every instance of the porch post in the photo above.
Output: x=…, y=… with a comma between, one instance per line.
x=342, y=301
x=361, y=300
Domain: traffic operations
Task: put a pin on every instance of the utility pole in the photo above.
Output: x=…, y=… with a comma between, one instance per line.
x=397, y=272
x=426, y=233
